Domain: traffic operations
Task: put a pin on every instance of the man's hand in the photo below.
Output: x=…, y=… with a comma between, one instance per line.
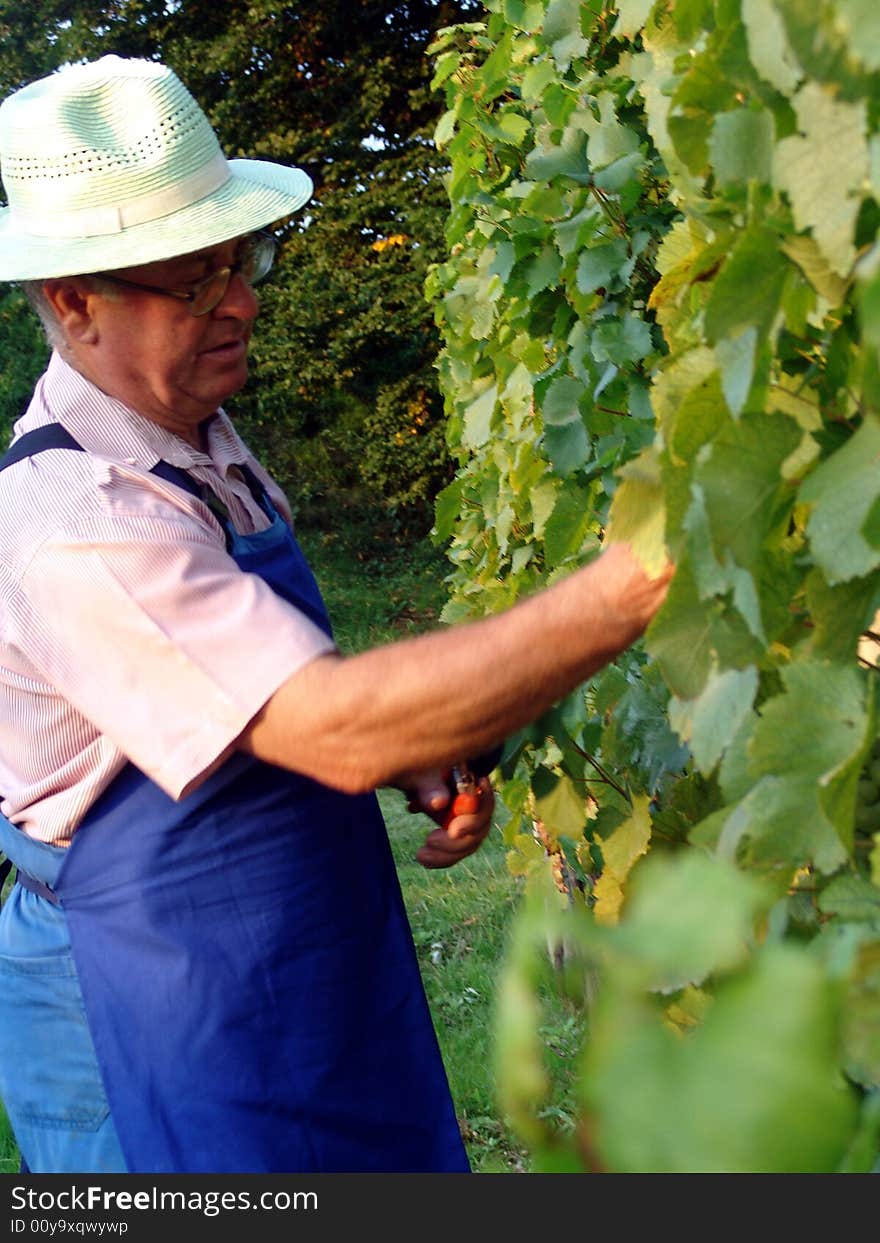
x=429, y=794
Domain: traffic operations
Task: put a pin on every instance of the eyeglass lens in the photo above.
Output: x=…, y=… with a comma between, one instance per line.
x=255, y=262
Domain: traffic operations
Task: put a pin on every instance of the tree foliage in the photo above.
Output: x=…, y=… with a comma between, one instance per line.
x=343, y=358
x=661, y=321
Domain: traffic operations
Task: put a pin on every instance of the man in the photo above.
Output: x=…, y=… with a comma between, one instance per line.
x=206, y=965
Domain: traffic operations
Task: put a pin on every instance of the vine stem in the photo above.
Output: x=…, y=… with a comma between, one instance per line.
x=603, y=774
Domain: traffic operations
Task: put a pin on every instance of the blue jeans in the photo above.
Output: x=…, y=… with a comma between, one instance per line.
x=49, y=1078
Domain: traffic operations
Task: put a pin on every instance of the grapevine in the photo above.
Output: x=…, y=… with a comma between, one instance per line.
x=661, y=320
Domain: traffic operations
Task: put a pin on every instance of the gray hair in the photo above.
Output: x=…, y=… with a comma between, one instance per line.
x=33, y=291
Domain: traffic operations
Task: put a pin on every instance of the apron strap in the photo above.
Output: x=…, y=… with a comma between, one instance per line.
x=36, y=886
x=54, y=436
x=28, y=882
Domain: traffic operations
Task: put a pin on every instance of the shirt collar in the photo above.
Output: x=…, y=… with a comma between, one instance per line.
x=108, y=427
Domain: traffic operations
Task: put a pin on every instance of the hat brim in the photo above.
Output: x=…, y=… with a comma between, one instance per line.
x=256, y=194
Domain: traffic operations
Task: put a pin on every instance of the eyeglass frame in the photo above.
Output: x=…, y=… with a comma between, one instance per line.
x=253, y=246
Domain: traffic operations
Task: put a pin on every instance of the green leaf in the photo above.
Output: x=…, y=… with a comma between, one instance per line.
x=736, y=358
x=567, y=527
x=525, y=14
x=748, y=289
x=542, y=499
x=604, y=266
x=689, y=638
x=632, y=15
x=608, y=139
x=621, y=341
x=780, y=825
x=687, y=916
x=710, y=721
x=741, y=146
x=739, y=476
x=567, y=447
x=445, y=128
x=567, y=159
x=754, y=1089
x=853, y=898
x=717, y=576
x=840, y=614
x=807, y=746
x=560, y=404
x=842, y=492
x=562, y=30
x=769, y=49
x=816, y=727
x=478, y=419
x=804, y=251
x=543, y=270
x=446, y=511
x=559, y=805
x=860, y=19
x=826, y=193
x=862, y=1025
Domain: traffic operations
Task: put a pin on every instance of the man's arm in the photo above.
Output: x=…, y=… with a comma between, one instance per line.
x=384, y=716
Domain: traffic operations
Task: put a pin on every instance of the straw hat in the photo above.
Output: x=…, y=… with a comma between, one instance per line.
x=113, y=163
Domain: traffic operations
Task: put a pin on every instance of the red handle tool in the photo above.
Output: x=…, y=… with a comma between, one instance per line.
x=466, y=793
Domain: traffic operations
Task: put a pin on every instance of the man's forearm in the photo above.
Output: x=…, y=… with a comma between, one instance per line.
x=380, y=716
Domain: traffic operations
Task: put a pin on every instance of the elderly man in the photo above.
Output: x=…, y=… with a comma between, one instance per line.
x=205, y=964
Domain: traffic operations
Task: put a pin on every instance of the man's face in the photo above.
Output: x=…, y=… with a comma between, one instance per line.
x=150, y=352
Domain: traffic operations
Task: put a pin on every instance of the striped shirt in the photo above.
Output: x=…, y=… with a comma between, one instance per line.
x=127, y=632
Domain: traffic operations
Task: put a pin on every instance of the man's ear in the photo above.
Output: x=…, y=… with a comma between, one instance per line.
x=72, y=301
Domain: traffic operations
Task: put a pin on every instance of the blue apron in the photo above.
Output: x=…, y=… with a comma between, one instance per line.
x=246, y=964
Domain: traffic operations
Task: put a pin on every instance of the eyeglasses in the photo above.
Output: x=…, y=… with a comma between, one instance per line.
x=254, y=263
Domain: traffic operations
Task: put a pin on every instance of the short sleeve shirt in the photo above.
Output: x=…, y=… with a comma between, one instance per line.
x=127, y=632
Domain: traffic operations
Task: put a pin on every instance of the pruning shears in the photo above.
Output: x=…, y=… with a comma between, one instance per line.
x=465, y=791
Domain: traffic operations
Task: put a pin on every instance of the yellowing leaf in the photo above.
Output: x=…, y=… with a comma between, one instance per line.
x=825, y=193
x=626, y=844
x=638, y=514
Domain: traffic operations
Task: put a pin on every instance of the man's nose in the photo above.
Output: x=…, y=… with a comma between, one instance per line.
x=239, y=299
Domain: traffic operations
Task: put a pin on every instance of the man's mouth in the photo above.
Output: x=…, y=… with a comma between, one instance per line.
x=227, y=350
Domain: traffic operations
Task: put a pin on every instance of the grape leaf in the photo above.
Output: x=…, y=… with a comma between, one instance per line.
x=687, y=916
x=825, y=194
x=842, y=492
x=632, y=15
x=562, y=30
x=608, y=140
x=568, y=447
x=769, y=49
x=560, y=404
x=748, y=290
x=620, y=851
x=860, y=19
x=478, y=418
x=781, y=825
x=637, y=513
x=816, y=727
x=762, y=1061
x=736, y=358
x=739, y=475
x=559, y=805
x=741, y=146
x=709, y=722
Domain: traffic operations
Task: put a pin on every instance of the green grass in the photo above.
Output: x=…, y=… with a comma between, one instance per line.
x=459, y=918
